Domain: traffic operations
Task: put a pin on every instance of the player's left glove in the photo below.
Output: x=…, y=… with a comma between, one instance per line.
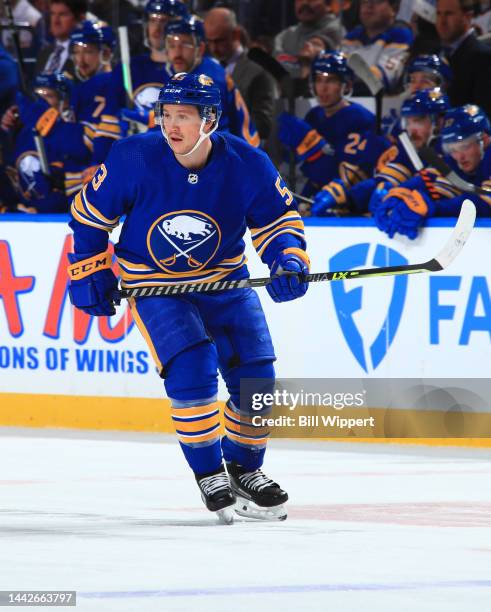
x=286, y=284
x=331, y=196
x=92, y=283
x=403, y=211
x=299, y=135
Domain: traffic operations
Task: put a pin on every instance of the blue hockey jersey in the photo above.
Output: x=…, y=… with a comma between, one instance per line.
x=183, y=225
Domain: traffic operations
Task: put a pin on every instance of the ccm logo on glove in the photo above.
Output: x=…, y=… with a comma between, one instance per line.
x=84, y=268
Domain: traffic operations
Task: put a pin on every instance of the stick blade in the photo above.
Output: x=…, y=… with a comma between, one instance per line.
x=362, y=70
x=459, y=236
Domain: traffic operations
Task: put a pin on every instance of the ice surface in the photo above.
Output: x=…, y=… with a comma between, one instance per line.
x=119, y=519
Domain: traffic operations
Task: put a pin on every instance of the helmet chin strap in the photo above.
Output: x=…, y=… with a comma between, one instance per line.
x=202, y=137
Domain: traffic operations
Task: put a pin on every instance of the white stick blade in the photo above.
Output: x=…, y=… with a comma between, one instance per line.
x=362, y=70
x=460, y=234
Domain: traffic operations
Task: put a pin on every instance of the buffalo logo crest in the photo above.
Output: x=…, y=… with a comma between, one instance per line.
x=183, y=241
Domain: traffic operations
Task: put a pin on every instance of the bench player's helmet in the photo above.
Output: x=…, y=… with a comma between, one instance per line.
x=464, y=124
x=332, y=63
x=433, y=65
x=95, y=34
x=165, y=10
x=196, y=90
x=57, y=81
x=189, y=25
x=432, y=102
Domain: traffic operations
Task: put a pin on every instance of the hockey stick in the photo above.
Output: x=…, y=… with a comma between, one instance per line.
x=432, y=158
x=452, y=248
x=362, y=70
x=41, y=151
x=125, y=64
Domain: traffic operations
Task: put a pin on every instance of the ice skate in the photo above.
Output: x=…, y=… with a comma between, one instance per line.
x=258, y=496
x=217, y=494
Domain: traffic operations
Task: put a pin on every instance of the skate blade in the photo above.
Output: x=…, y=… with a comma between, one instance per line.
x=248, y=509
x=226, y=515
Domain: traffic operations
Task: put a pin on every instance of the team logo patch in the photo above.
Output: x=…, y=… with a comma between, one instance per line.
x=183, y=241
x=192, y=179
x=205, y=80
x=146, y=96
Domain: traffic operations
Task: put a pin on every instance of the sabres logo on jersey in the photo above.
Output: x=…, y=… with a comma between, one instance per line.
x=146, y=95
x=183, y=241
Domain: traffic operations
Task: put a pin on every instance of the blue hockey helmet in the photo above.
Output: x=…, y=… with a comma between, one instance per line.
x=431, y=102
x=89, y=33
x=109, y=39
x=56, y=81
x=169, y=8
x=332, y=63
x=196, y=90
x=464, y=123
x=434, y=65
x=189, y=25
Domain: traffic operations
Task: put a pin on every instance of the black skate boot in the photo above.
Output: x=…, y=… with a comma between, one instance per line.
x=257, y=495
x=217, y=494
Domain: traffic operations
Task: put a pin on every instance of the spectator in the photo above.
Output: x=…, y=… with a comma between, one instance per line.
x=384, y=46
x=257, y=87
x=314, y=45
x=314, y=17
x=8, y=78
x=470, y=60
x=64, y=16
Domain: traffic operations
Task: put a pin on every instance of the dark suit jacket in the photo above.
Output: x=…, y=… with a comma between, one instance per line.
x=258, y=89
x=471, y=67
x=43, y=58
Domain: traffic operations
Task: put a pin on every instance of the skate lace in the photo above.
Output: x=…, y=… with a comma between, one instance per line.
x=256, y=480
x=212, y=484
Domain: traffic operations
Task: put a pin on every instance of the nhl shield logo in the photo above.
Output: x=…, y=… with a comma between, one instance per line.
x=192, y=179
x=183, y=241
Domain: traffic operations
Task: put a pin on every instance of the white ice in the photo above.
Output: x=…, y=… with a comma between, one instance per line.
x=118, y=518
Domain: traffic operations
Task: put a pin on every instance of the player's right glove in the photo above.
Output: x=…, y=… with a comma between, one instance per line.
x=285, y=283
x=299, y=135
x=92, y=283
x=331, y=196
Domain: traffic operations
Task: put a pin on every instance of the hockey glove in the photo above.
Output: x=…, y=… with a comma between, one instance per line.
x=142, y=116
x=332, y=195
x=92, y=283
x=299, y=135
x=286, y=284
x=403, y=211
x=377, y=198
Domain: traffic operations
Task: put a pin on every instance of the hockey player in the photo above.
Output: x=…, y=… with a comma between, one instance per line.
x=428, y=72
x=465, y=141
x=188, y=199
x=94, y=101
x=185, y=44
x=63, y=144
x=332, y=131
x=148, y=73
x=386, y=164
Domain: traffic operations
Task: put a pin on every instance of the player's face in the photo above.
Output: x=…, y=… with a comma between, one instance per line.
x=328, y=89
x=422, y=80
x=156, y=27
x=419, y=130
x=182, y=52
x=375, y=14
x=182, y=124
x=467, y=154
x=87, y=59
x=61, y=20
x=451, y=22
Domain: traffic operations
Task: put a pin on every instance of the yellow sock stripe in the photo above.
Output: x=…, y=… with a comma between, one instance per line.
x=195, y=411
x=144, y=332
x=198, y=426
x=211, y=436
x=249, y=441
